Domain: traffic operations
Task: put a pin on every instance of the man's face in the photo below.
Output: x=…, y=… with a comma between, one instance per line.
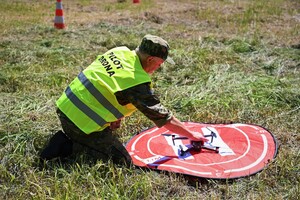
x=153, y=63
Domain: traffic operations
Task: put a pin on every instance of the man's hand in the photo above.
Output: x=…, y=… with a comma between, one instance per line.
x=115, y=125
x=176, y=126
x=199, y=137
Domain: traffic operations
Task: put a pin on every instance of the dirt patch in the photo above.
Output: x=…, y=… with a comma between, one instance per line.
x=191, y=19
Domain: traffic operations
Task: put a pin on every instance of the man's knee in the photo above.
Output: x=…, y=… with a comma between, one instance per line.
x=120, y=156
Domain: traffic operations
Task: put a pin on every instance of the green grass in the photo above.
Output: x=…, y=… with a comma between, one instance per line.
x=235, y=62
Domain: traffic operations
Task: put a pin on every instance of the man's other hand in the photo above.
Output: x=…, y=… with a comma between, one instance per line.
x=115, y=125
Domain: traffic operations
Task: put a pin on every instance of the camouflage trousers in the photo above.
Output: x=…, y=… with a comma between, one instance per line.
x=100, y=145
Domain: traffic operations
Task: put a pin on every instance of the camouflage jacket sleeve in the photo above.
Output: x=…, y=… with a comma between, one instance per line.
x=142, y=97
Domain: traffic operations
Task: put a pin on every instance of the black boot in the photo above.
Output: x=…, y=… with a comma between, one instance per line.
x=59, y=146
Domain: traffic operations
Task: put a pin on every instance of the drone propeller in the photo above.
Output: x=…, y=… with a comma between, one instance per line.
x=174, y=136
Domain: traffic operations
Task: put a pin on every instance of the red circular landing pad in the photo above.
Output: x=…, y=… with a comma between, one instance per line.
x=243, y=150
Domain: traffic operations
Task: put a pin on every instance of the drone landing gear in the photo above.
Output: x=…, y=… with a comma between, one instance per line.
x=197, y=146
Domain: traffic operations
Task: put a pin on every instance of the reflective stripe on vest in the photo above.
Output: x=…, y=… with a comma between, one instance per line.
x=84, y=108
x=100, y=98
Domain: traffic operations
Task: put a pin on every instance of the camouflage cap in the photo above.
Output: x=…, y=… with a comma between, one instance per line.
x=156, y=46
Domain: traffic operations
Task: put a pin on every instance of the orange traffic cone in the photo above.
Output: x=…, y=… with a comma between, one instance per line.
x=59, y=16
x=136, y=1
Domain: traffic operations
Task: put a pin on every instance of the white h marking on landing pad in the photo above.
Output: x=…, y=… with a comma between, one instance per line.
x=224, y=149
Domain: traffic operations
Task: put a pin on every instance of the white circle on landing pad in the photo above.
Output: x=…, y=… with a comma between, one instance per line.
x=244, y=150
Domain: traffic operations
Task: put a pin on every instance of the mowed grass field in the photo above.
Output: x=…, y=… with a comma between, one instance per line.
x=236, y=61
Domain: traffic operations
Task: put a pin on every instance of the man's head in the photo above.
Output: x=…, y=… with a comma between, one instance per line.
x=154, y=46
x=154, y=51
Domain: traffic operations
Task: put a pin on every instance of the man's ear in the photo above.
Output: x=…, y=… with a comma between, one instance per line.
x=150, y=58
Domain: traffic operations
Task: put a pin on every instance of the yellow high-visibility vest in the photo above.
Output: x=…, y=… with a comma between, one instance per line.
x=89, y=101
